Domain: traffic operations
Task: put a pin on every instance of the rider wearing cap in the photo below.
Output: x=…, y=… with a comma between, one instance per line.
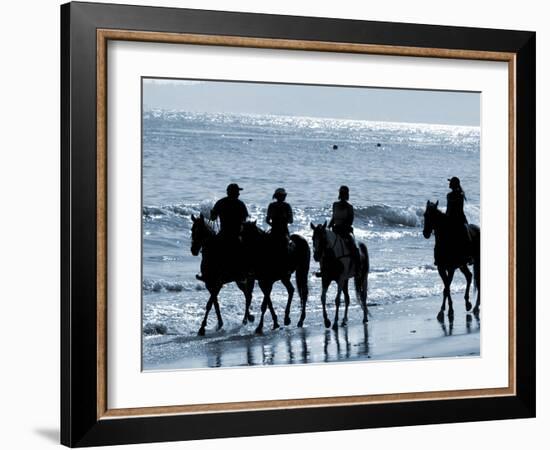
x=231, y=211
x=342, y=221
x=279, y=214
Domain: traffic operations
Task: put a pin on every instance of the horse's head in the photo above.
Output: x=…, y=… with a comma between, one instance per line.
x=200, y=233
x=319, y=240
x=429, y=218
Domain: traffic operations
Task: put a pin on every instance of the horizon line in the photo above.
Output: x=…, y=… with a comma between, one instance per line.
x=147, y=108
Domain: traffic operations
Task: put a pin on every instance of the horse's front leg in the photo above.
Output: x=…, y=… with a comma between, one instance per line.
x=290, y=290
x=337, y=303
x=346, y=303
x=443, y=275
x=468, y=275
x=213, y=296
x=266, y=287
x=324, y=287
x=272, y=311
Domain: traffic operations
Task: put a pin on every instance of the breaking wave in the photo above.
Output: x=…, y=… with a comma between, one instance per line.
x=170, y=286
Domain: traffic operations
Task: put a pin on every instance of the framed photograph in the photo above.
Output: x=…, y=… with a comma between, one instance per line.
x=276, y=224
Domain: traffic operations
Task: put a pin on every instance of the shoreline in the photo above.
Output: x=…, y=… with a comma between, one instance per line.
x=399, y=331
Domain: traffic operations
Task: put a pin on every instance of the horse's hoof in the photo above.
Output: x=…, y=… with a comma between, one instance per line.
x=468, y=305
x=300, y=324
x=245, y=321
x=344, y=323
x=276, y=325
x=287, y=321
x=201, y=332
x=476, y=311
x=327, y=323
x=250, y=318
x=451, y=313
x=440, y=316
x=220, y=326
x=335, y=326
x=259, y=331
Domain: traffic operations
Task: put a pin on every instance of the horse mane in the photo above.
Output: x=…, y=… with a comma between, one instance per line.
x=209, y=225
x=260, y=230
x=438, y=212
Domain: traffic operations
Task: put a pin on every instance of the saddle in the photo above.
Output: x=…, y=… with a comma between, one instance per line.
x=349, y=244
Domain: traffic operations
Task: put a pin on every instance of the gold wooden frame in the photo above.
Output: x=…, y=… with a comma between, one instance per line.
x=103, y=36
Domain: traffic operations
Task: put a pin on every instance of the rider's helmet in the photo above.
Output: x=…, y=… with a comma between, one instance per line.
x=343, y=193
x=279, y=194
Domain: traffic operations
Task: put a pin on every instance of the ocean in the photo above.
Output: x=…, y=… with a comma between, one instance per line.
x=392, y=169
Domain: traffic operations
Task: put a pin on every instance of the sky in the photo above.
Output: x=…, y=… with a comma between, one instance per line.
x=357, y=103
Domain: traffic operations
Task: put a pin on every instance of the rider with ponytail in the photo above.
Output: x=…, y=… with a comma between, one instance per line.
x=455, y=211
x=455, y=201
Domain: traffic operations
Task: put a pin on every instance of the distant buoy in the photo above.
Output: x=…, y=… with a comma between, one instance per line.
x=249, y=139
x=379, y=145
x=335, y=147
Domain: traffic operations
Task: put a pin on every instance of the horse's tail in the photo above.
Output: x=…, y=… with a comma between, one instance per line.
x=477, y=277
x=361, y=279
x=476, y=238
x=302, y=265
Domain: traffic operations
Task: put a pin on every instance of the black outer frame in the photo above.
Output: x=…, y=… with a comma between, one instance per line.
x=79, y=423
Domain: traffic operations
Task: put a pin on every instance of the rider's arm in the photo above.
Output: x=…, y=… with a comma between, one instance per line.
x=351, y=215
x=214, y=212
x=290, y=215
x=331, y=223
x=452, y=204
x=245, y=212
x=268, y=215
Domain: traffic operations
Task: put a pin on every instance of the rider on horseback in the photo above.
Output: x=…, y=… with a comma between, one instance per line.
x=279, y=216
x=342, y=221
x=455, y=211
x=232, y=213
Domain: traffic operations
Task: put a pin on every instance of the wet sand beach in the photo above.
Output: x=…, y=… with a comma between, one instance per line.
x=402, y=330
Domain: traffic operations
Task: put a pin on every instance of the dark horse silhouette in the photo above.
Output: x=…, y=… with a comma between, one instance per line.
x=217, y=269
x=336, y=261
x=449, y=256
x=270, y=260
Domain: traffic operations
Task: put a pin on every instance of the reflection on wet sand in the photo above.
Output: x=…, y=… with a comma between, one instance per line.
x=409, y=336
x=447, y=324
x=290, y=346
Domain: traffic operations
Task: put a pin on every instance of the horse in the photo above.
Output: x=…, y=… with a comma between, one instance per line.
x=337, y=264
x=273, y=258
x=217, y=270
x=449, y=256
